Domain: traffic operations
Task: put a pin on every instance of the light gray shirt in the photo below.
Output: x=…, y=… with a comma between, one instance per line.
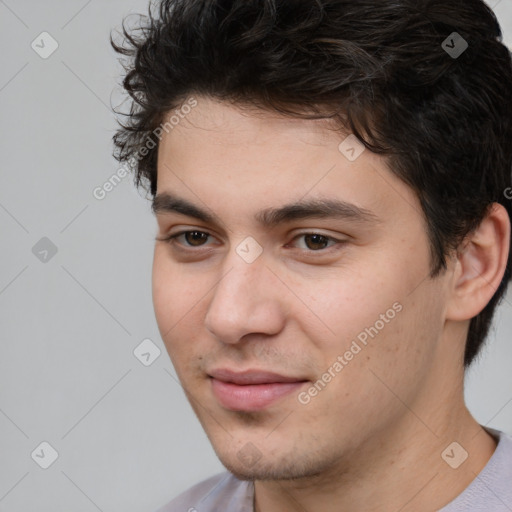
x=490, y=491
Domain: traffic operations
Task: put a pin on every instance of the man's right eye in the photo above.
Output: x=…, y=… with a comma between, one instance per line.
x=190, y=238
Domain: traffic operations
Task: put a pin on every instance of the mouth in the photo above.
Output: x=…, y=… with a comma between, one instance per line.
x=251, y=390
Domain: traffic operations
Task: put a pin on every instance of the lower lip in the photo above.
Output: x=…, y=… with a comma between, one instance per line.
x=251, y=397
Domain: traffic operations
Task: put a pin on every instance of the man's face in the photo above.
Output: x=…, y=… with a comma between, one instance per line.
x=340, y=302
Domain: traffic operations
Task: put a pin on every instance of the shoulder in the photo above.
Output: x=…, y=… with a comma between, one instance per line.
x=220, y=492
x=492, y=488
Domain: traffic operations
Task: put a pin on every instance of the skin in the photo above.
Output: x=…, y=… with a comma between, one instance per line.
x=372, y=438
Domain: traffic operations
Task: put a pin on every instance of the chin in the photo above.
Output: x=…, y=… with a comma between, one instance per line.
x=269, y=467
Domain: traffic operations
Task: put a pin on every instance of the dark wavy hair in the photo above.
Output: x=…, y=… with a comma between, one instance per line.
x=380, y=68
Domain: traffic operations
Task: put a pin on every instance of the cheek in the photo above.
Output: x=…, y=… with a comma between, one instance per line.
x=374, y=322
x=177, y=297
x=396, y=356
x=347, y=306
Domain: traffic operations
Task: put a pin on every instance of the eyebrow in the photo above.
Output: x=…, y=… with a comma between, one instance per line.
x=270, y=217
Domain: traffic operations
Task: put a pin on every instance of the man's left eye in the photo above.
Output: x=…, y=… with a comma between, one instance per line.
x=314, y=241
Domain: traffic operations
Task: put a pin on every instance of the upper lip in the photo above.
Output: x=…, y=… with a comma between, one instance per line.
x=250, y=377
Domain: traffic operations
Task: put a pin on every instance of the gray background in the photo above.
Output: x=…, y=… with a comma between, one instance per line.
x=126, y=438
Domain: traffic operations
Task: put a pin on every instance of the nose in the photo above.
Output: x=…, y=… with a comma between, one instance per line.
x=246, y=300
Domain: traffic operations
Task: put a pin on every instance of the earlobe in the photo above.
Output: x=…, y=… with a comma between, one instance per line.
x=480, y=266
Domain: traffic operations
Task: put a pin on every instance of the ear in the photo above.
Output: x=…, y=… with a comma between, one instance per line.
x=480, y=263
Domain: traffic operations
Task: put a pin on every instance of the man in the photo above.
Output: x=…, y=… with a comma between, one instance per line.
x=330, y=180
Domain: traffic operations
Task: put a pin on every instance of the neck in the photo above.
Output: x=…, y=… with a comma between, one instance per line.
x=406, y=467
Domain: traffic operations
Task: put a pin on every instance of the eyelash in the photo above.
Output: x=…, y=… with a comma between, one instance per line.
x=172, y=239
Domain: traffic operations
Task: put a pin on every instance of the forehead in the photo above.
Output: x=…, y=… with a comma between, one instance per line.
x=228, y=157
x=218, y=127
